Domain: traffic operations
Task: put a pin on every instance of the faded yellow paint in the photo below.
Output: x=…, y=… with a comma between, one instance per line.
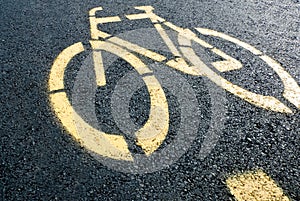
x=181, y=65
x=99, y=68
x=149, y=137
x=147, y=9
x=147, y=15
x=95, y=32
x=174, y=27
x=104, y=20
x=255, y=186
x=133, y=47
x=61, y=107
x=188, y=34
x=151, y=16
x=139, y=66
x=94, y=21
x=185, y=40
x=152, y=134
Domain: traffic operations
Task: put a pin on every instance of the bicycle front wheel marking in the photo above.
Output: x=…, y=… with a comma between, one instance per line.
x=291, y=88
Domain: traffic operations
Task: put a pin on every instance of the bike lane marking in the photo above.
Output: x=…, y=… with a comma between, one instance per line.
x=255, y=186
x=155, y=130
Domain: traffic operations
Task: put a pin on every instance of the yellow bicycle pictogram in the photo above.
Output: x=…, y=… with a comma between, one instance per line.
x=185, y=60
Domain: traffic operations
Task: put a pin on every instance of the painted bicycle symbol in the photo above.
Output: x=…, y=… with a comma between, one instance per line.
x=184, y=59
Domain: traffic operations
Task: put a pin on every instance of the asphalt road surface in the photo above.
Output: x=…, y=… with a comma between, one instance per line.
x=41, y=160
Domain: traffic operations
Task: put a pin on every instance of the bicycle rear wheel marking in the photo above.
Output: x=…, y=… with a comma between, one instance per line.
x=149, y=137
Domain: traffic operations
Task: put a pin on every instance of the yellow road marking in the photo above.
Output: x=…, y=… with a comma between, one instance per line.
x=148, y=14
x=103, y=20
x=156, y=128
x=99, y=68
x=227, y=65
x=137, y=16
x=266, y=102
x=181, y=65
x=167, y=40
x=255, y=186
x=152, y=134
x=151, y=16
x=188, y=34
x=95, y=32
x=61, y=106
x=94, y=21
x=185, y=39
x=147, y=9
x=291, y=92
x=138, y=65
x=291, y=87
x=132, y=47
x=93, y=11
x=174, y=27
x=149, y=137
x=59, y=66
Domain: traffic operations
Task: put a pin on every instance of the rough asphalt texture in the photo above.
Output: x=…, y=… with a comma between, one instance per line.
x=40, y=161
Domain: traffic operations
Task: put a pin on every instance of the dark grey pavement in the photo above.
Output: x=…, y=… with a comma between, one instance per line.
x=40, y=161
